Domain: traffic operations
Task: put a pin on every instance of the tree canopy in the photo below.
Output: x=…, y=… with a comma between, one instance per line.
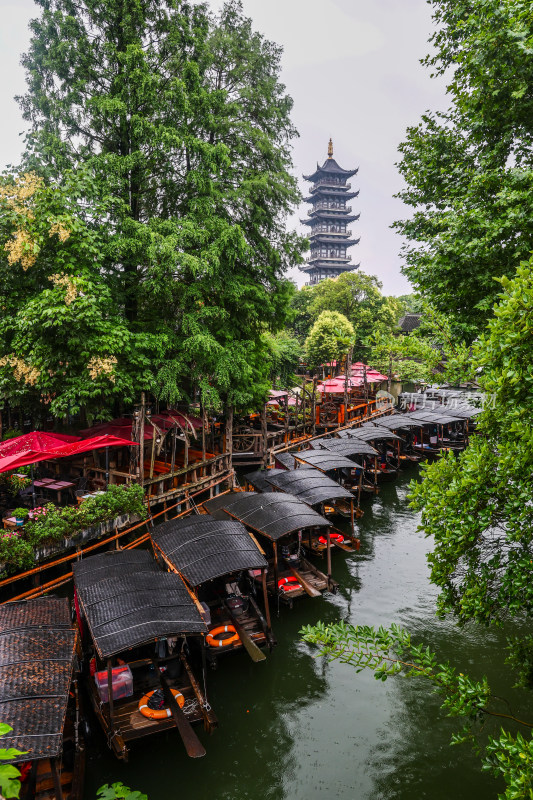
x=469, y=170
x=355, y=295
x=330, y=338
x=180, y=121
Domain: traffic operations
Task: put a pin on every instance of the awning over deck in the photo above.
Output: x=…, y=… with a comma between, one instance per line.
x=37, y=646
x=202, y=548
x=346, y=447
x=273, y=515
x=285, y=459
x=129, y=601
x=325, y=460
x=398, y=422
x=372, y=434
x=258, y=479
x=309, y=485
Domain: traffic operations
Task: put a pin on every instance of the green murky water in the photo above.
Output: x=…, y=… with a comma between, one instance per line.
x=297, y=728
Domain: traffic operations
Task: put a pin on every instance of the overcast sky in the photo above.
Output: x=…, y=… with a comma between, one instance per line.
x=352, y=68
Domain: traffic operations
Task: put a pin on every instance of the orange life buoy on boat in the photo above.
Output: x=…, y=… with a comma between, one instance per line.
x=213, y=639
x=289, y=584
x=334, y=537
x=159, y=713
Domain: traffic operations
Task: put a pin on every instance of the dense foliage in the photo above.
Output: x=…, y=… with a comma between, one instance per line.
x=469, y=170
x=478, y=507
x=9, y=773
x=330, y=339
x=53, y=525
x=117, y=791
x=355, y=295
x=163, y=135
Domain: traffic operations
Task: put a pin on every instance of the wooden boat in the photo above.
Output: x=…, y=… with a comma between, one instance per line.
x=127, y=604
x=218, y=559
x=40, y=698
x=282, y=520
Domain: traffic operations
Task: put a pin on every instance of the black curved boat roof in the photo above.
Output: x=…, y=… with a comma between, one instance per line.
x=309, y=485
x=350, y=446
x=258, y=478
x=325, y=460
x=274, y=515
x=37, y=647
x=129, y=601
x=202, y=548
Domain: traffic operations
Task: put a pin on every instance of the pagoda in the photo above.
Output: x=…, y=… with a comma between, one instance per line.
x=328, y=219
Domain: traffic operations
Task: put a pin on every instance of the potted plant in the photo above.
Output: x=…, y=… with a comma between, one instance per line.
x=21, y=515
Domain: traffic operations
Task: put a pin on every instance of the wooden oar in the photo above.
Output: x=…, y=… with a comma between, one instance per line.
x=193, y=745
x=311, y=591
x=248, y=643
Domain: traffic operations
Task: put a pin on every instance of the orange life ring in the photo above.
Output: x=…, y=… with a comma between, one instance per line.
x=161, y=713
x=289, y=584
x=334, y=537
x=213, y=640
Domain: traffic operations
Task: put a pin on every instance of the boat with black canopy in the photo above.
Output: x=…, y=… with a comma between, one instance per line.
x=39, y=697
x=282, y=520
x=219, y=560
x=135, y=619
x=386, y=465
x=365, y=454
x=316, y=490
x=258, y=479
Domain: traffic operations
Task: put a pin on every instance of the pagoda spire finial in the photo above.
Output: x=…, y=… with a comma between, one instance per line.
x=330, y=148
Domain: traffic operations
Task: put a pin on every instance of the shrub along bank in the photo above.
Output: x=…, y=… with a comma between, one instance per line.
x=17, y=548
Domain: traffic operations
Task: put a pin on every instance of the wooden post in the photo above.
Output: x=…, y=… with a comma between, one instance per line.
x=186, y=454
x=276, y=571
x=264, y=436
x=203, y=435
x=110, y=690
x=229, y=430
x=375, y=472
x=352, y=516
x=304, y=406
x=58, y=791
x=329, y=554
x=313, y=407
x=346, y=382
x=287, y=418
x=152, y=457
x=173, y=456
x=265, y=599
x=141, y=438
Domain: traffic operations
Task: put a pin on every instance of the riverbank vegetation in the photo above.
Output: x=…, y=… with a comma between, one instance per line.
x=468, y=172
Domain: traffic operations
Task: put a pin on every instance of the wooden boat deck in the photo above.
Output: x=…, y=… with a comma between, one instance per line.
x=316, y=579
x=129, y=724
x=247, y=618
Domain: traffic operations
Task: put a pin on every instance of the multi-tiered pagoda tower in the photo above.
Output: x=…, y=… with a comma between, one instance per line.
x=328, y=219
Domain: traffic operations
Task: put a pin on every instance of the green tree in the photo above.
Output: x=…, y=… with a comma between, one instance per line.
x=285, y=355
x=469, y=170
x=355, y=295
x=64, y=342
x=330, y=339
x=181, y=120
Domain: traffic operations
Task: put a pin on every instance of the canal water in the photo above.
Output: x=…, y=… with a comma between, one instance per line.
x=298, y=728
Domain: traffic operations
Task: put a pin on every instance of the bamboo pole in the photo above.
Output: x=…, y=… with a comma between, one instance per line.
x=141, y=438
x=264, y=436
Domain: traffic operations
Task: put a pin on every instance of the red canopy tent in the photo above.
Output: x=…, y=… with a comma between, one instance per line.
x=38, y=446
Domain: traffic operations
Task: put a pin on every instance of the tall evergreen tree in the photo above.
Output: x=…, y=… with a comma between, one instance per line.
x=181, y=119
